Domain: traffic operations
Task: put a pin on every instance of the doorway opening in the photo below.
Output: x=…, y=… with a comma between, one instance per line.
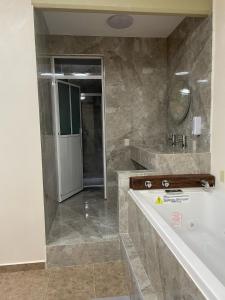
x=84, y=220
x=79, y=109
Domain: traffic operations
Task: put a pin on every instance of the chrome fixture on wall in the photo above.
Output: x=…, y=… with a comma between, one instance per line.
x=176, y=139
x=172, y=139
x=182, y=140
x=165, y=183
x=148, y=184
x=205, y=184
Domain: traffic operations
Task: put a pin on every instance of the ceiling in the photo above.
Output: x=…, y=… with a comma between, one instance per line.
x=94, y=24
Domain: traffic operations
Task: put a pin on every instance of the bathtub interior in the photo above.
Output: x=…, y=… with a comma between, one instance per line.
x=199, y=221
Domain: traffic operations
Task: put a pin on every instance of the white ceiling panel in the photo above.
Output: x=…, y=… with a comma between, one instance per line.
x=94, y=24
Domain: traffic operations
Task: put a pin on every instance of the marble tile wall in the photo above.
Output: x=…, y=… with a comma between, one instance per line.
x=50, y=183
x=164, y=271
x=190, y=50
x=138, y=283
x=135, y=88
x=123, y=180
x=172, y=162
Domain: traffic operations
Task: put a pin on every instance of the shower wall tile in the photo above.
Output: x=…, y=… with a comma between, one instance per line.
x=190, y=49
x=135, y=89
x=164, y=272
x=138, y=72
x=49, y=166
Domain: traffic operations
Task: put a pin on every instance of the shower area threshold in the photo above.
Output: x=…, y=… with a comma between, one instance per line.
x=84, y=231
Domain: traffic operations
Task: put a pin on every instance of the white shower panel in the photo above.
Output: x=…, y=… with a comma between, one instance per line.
x=69, y=139
x=71, y=166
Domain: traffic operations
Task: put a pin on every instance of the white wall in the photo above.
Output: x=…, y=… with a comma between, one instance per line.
x=218, y=94
x=22, y=237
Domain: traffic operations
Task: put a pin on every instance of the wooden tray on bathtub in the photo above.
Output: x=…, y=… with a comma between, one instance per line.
x=175, y=181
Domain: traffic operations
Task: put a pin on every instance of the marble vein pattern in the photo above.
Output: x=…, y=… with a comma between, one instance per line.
x=139, y=75
x=70, y=283
x=190, y=50
x=49, y=165
x=123, y=180
x=170, y=162
x=164, y=271
x=83, y=253
x=84, y=231
x=135, y=92
x=85, y=217
x=139, y=285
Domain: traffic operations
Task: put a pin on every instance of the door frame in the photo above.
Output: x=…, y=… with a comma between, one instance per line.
x=55, y=78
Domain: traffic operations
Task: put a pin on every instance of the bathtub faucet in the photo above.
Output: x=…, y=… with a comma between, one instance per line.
x=205, y=184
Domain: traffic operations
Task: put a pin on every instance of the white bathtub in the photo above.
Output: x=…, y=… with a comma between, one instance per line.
x=194, y=230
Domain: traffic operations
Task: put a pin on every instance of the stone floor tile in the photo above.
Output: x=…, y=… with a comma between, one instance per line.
x=23, y=285
x=109, y=279
x=85, y=217
x=71, y=282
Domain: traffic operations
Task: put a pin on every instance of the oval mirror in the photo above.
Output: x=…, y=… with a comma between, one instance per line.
x=180, y=100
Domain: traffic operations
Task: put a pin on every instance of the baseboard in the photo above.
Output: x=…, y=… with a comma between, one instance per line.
x=22, y=267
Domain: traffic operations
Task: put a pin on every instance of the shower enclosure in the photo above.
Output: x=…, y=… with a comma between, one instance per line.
x=78, y=90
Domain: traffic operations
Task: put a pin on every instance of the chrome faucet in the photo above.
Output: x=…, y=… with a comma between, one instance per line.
x=182, y=139
x=178, y=139
x=173, y=139
x=205, y=184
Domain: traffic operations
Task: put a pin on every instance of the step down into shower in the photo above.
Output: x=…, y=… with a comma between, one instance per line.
x=84, y=231
x=83, y=253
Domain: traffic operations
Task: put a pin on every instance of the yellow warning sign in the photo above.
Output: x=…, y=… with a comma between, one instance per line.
x=159, y=201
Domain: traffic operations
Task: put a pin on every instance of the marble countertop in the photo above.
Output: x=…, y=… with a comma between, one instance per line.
x=170, y=160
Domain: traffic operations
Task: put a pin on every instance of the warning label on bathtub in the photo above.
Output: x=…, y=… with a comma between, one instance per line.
x=176, y=198
x=159, y=200
x=172, y=198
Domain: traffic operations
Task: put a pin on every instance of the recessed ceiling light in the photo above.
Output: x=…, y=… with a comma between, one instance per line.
x=202, y=81
x=185, y=92
x=51, y=74
x=81, y=74
x=120, y=21
x=181, y=73
x=82, y=97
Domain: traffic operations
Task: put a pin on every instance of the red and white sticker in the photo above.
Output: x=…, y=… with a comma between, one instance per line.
x=176, y=219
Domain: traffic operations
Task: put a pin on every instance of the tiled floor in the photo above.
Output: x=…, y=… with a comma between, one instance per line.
x=80, y=222
x=86, y=217
x=97, y=281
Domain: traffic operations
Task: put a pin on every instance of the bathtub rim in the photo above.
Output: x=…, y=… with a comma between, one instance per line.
x=197, y=270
